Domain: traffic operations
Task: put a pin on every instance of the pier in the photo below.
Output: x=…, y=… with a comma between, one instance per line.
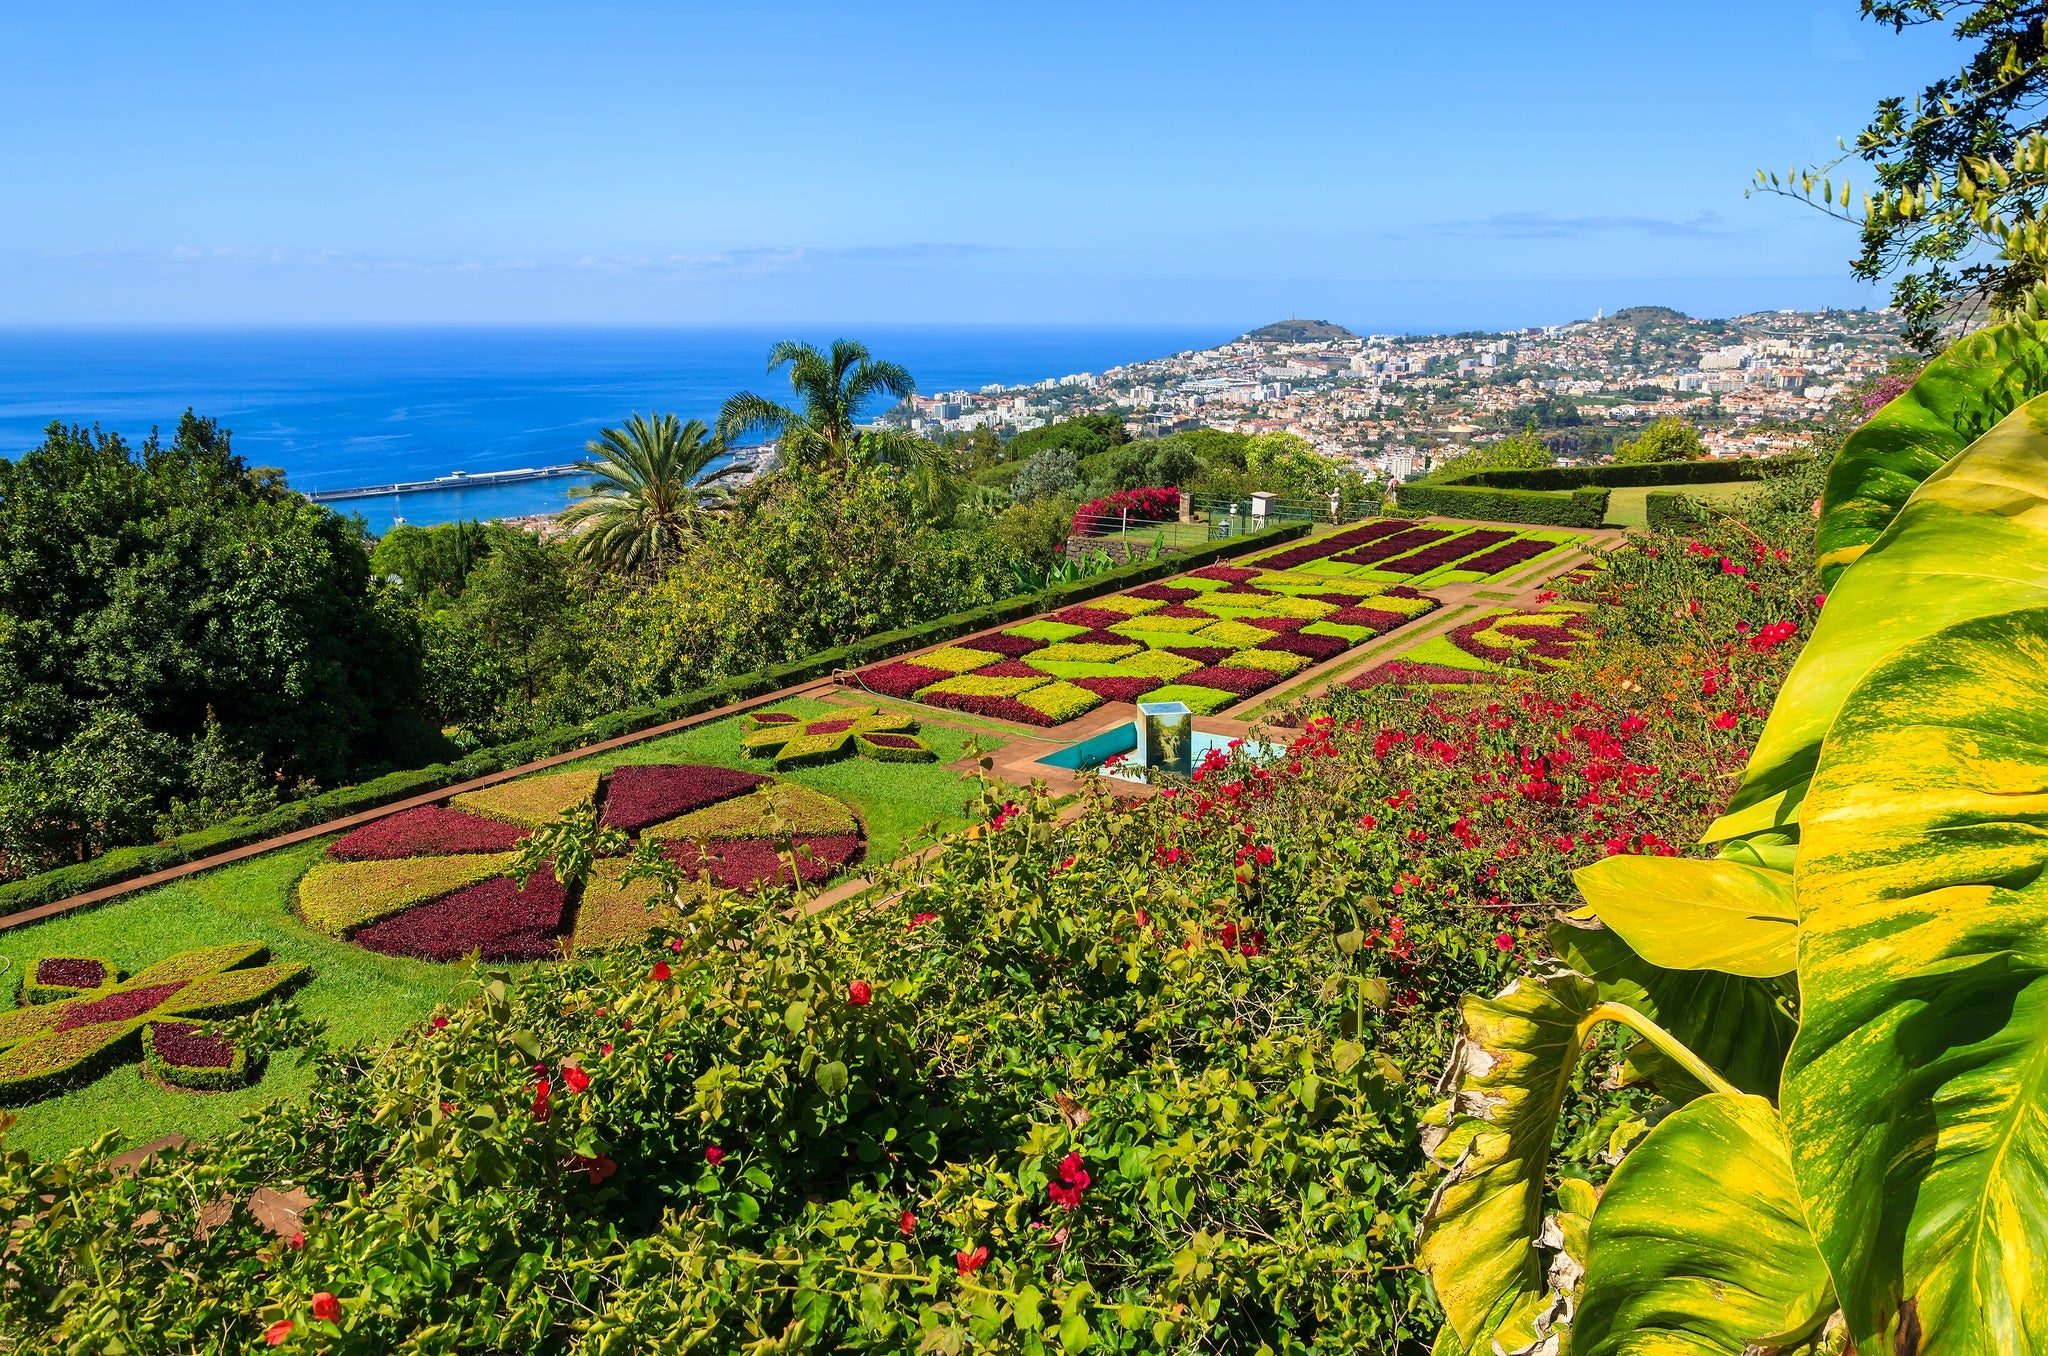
x=456, y=480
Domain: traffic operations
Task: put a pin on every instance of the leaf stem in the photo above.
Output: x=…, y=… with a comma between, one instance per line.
x=1662, y=1039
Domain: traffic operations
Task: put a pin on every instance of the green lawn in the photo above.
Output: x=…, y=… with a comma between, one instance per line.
x=365, y=998
x=1625, y=506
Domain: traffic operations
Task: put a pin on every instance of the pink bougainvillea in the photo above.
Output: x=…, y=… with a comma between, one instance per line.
x=428, y=831
x=1147, y=507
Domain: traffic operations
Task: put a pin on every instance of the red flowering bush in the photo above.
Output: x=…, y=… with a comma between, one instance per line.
x=1133, y=507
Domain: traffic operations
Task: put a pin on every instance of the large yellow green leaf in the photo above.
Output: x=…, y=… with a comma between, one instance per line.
x=1682, y=914
x=1506, y=1082
x=1700, y=1245
x=1973, y=540
x=1916, y=1093
x=1974, y=383
x=1740, y=1026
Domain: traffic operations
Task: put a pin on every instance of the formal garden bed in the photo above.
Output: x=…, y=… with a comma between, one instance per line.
x=1490, y=647
x=363, y=996
x=1210, y=638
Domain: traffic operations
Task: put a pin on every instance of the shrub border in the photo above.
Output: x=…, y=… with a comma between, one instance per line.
x=211, y=1078
x=125, y=869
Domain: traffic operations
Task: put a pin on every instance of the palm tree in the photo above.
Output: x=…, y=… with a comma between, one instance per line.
x=650, y=492
x=820, y=432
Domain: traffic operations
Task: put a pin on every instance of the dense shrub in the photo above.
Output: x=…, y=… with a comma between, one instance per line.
x=1579, y=508
x=1140, y=506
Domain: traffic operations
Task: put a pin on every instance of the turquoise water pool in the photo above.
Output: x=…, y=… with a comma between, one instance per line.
x=1121, y=742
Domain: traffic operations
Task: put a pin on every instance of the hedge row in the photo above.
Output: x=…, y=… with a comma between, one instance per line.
x=1705, y=472
x=1670, y=511
x=1584, y=507
x=127, y=863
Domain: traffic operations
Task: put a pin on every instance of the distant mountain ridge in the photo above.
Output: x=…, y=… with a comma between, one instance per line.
x=1296, y=332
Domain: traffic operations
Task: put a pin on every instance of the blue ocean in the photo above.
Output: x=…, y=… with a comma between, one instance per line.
x=338, y=408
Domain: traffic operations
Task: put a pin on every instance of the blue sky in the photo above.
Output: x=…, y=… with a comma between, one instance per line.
x=1388, y=166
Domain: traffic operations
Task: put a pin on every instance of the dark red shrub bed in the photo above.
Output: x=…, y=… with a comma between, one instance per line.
x=1443, y=553
x=1278, y=625
x=1202, y=654
x=1400, y=544
x=748, y=864
x=1164, y=593
x=71, y=972
x=1094, y=618
x=1100, y=636
x=1330, y=545
x=895, y=741
x=1367, y=616
x=647, y=794
x=1235, y=589
x=189, y=1047
x=117, y=1007
x=897, y=679
x=777, y=718
x=1228, y=574
x=496, y=918
x=1002, y=708
x=1182, y=610
x=1402, y=672
x=429, y=831
x=1317, y=648
x=1340, y=599
x=1009, y=668
x=830, y=727
x=1507, y=557
x=1243, y=682
x=1000, y=643
x=1118, y=689
x=1404, y=591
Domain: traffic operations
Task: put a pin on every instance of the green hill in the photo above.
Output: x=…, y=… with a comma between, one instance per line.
x=1296, y=332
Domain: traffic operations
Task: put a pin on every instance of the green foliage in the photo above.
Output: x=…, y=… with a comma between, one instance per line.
x=432, y=564
x=1084, y=436
x=1518, y=452
x=162, y=597
x=1894, y=1199
x=1036, y=532
x=1668, y=439
x=1287, y=465
x=1585, y=507
x=653, y=484
x=1047, y=472
x=820, y=432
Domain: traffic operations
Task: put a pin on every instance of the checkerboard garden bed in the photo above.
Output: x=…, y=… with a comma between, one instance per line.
x=1209, y=638
x=1488, y=649
x=1398, y=551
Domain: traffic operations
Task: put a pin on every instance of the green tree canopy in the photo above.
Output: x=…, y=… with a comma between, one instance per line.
x=1289, y=466
x=653, y=483
x=821, y=430
x=1669, y=439
x=1084, y=436
x=152, y=594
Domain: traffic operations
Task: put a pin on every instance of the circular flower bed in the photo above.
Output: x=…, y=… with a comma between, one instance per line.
x=434, y=884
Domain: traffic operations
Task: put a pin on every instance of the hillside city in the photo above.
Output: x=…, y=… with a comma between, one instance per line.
x=1756, y=384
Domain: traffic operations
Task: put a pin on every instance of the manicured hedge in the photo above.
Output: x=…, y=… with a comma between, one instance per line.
x=1670, y=511
x=127, y=863
x=1584, y=507
x=182, y=1054
x=1705, y=472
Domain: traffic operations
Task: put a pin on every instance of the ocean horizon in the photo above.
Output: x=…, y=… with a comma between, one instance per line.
x=337, y=408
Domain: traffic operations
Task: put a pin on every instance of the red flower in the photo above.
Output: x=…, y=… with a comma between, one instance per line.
x=1505, y=941
x=675, y=945
x=713, y=1155
x=605, y=1050
x=1073, y=1181
x=275, y=1334
x=1725, y=721
x=659, y=972
x=542, y=1092
x=297, y=1242
x=597, y=1169
x=907, y=1223
x=440, y=1023
x=326, y=1308
x=859, y=994
x=575, y=1078
x=971, y=1262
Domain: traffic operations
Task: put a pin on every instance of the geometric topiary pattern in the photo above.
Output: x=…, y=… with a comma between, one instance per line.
x=1211, y=637
x=46, y=1047
x=185, y=1055
x=531, y=802
x=793, y=741
x=56, y=978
